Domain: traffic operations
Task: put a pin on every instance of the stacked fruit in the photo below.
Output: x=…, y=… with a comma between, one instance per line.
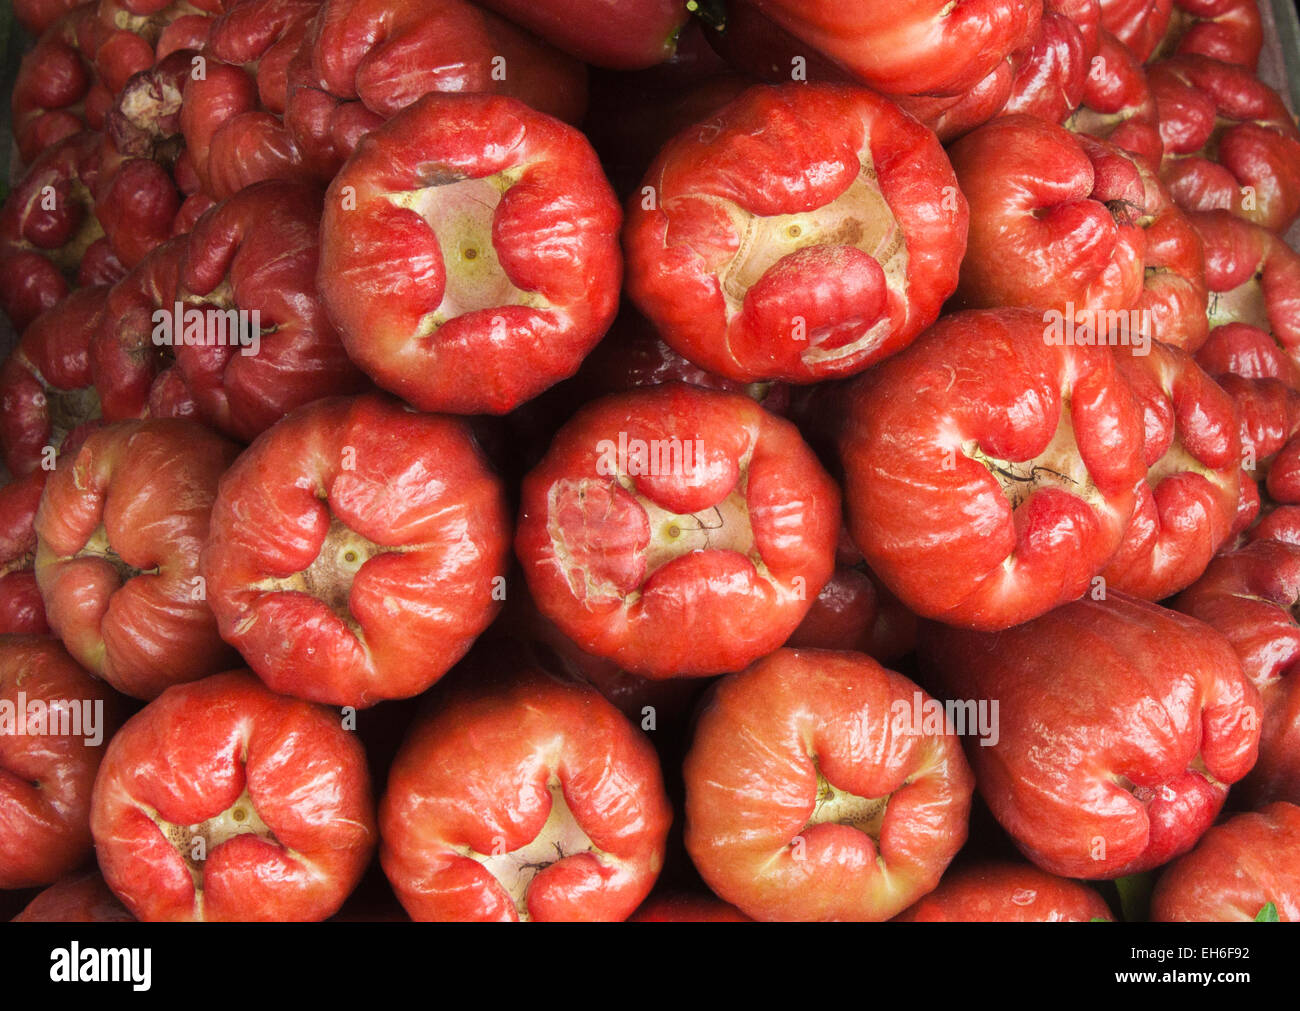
x=509, y=442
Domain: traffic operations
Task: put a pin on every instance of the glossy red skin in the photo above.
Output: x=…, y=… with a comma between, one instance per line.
x=1174, y=289
x=258, y=251
x=231, y=118
x=474, y=777
x=192, y=208
x=619, y=34
x=936, y=524
x=911, y=47
x=46, y=779
x=364, y=61
x=99, y=265
x=1138, y=24
x=682, y=907
x=818, y=307
x=1007, y=893
x=1227, y=30
x=55, y=93
x=1269, y=413
x=136, y=203
x=656, y=597
x=769, y=740
x=1239, y=867
x=46, y=387
x=1225, y=131
x=855, y=611
x=84, y=898
x=1249, y=595
x=1253, y=278
x=390, y=479
x=146, y=488
x=29, y=285
x=1117, y=104
x=553, y=239
x=64, y=176
x=188, y=757
x=1113, y=716
x=1046, y=79
x=1188, y=503
x=22, y=612
x=132, y=375
x=1055, y=218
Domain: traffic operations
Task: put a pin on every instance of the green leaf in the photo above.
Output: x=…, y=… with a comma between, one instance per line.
x=1268, y=914
x=1135, y=896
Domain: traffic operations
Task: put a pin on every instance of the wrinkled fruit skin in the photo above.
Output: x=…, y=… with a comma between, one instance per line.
x=46, y=774
x=46, y=385
x=119, y=531
x=223, y=801
x=990, y=475
x=1117, y=105
x=469, y=253
x=1226, y=30
x=1250, y=860
x=363, y=61
x=801, y=233
x=1007, y=893
x=1230, y=142
x=1121, y=727
x=357, y=550
x=1138, y=24
x=258, y=252
x=530, y=799
x=696, y=549
x=1055, y=219
x=1188, y=503
x=807, y=800
x=22, y=611
x=1250, y=595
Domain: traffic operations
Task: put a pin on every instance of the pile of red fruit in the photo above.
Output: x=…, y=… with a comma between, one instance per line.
x=573, y=460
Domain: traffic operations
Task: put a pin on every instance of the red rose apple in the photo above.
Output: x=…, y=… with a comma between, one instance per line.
x=357, y=550
x=54, y=720
x=990, y=473
x=1121, y=726
x=84, y=898
x=1250, y=861
x=22, y=612
x=808, y=798
x=677, y=531
x=119, y=530
x=505, y=229
x=221, y=800
x=525, y=798
x=801, y=233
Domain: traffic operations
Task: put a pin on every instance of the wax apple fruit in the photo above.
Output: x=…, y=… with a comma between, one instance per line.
x=1122, y=725
x=801, y=233
x=680, y=532
x=807, y=798
x=523, y=798
x=54, y=722
x=1055, y=218
x=224, y=801
x=622, y=34
x=22, y=612
x=1250, y=595
x=357, y=550
x=1229, y=141
x=505, y=229
x=989, y=472
x=119, y=531
x=915, y=47
x=1187, y=505
x=1007, y=893
x=1239, y=867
